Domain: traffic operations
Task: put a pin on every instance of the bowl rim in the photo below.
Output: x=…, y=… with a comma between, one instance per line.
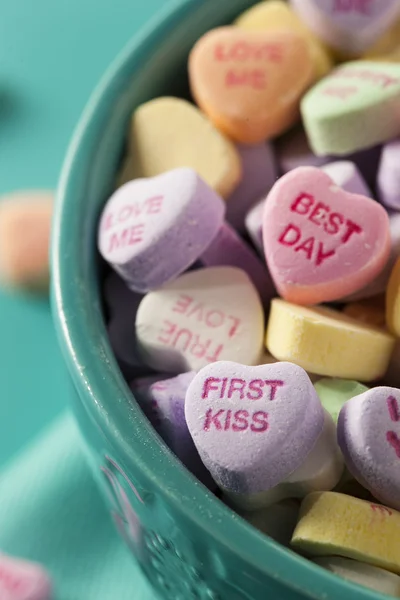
x=94, y=370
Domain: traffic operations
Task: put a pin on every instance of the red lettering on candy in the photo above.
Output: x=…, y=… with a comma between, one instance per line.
x=127, y=237
x=255, y=78
x=241, y=420
x=374, y=77
x=393, y=408
x=260, y=422
x=211, y=317
x=209, y=385
x=394, y=441
x=237, y=385
x=383, y=510
x=360, y=6
x=244, y=51
x=212, y=419
x=341, y=92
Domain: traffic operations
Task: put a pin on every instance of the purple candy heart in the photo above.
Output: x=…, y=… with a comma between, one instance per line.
x=151, y=230
x=348, y=25
x=253, y=426
x=259, y=173
x=369, y=437
x=163, y=402
x=228, y=249
x=347, y=176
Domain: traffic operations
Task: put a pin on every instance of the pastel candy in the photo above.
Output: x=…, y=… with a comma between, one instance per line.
x=23, y=580
x=163, y=402
x=122, y=304
x=346, y=175
x=203, y=316
x=249, y=432
x=348, y=25
x=388, y=181
x=370, y=311
x=151, y=230
x=368, y=435
x=254, y=226
x=25, y=222
x=334, y=393
x=393, y=301
x=378, y=285
x=354, y=107
x=228, y=249
x=337, y=524
x=274, y=15
x=161, y=139
x=259, y=173
x=277, y=521
x=293, y=150
x=326, y=342
x=249, y=83
x=387, y=46
x=369, y=576
x=321, y=242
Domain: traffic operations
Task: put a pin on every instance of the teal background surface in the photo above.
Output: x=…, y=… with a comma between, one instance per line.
x=52, y=54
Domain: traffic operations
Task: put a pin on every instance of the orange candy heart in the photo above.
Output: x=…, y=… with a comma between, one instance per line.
x=249, y=83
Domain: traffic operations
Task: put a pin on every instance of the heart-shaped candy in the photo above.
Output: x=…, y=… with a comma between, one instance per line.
x=168, y=133
x=322, y=243
x=151, y=230
x=353, y=108
x=23, y=580
x=250, y=83
x=253, y=426
x=273, y=15
x=203, y=316
x=348, y=25
x=369, y=437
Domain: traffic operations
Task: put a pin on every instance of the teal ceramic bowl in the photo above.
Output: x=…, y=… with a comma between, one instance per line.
x=189, y=545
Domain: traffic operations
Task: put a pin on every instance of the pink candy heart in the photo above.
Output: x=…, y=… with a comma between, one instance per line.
x=348, y=25
x=22, y=580
x=322, y=243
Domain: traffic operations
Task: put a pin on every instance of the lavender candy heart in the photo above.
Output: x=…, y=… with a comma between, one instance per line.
x=369, y=436
x=293, y=150
x=259, y=173
x=151, y=230
x=123, y=305
x=163, y=402
x=228, y=249
x=348, y=25
x=253, y=426
x=389, y=175
x=347, y=176
x=254, y=226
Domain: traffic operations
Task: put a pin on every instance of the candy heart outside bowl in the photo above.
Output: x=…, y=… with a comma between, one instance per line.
x=187, y=542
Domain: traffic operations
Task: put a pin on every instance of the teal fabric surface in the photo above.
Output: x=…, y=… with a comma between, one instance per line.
x=52, y=54
x=51, y=512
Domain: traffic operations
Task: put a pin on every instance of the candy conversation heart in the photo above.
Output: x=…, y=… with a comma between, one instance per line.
x=249, y=83
x=175, y=214
x=23, y=580
x=203, y=316
x=253, y=426
x=369, y=437
x=271, y=15
x=332, y=523
x=322, y=243
x=347, y=25
x=353, y=108
x=167, y=133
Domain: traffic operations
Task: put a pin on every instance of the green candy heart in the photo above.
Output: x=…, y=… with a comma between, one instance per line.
x=333, y=393
x=354, y=107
